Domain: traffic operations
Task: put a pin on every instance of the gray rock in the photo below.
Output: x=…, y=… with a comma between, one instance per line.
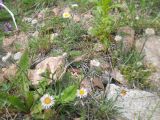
x=136, y=104
x=149, y=46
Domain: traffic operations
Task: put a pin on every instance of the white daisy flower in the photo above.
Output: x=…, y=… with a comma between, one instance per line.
x=118, y=38
x=94, y=63
x=150, y=31
x=81, y=93
x=66, y=15
x=34, y=21
x=47, y=101
x=6, y=57
x=137, y=17
x=74, y=5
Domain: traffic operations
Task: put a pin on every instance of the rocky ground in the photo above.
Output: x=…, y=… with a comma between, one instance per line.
x=61, y=45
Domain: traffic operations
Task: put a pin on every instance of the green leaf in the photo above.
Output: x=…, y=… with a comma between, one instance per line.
x=22, y=73
x=14, y=101
x=24, y=62
x=17, y=103
x=37, y=108
x=29, y=100
x=3, y=99
x=68, y=94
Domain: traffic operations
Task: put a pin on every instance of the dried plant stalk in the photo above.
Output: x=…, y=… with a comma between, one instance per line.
x=12, y=15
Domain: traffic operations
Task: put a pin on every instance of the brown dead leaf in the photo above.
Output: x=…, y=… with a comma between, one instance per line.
x=7, y=73
x=76, y=18
x=56, y=11
x=55, y=65
x=97, y=82
x=116, y=74
x=35, y=76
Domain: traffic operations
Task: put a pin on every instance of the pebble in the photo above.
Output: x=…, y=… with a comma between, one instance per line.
x=17, y=56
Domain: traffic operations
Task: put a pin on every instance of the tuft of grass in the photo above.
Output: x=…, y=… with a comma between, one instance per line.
x=40, y=45
x=143, y=9
x=107, y=110
x=131, y=66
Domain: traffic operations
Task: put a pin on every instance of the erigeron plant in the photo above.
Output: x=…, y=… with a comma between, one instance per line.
x=12, y=15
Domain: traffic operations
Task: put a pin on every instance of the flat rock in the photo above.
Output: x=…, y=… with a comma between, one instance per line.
x=136, y=104
x=149, y=46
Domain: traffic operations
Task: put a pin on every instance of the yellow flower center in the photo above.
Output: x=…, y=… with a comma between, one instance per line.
x=123, y=92
x=47, y=100
x=66, y=15
x=81, y=92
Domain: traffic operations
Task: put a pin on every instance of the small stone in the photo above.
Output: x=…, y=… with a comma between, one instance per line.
x=34, y=21
x=149, y=31
x=106, y=77
x=94, y=63
x=17, y=56
x=6, y=57
x=35, y=34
